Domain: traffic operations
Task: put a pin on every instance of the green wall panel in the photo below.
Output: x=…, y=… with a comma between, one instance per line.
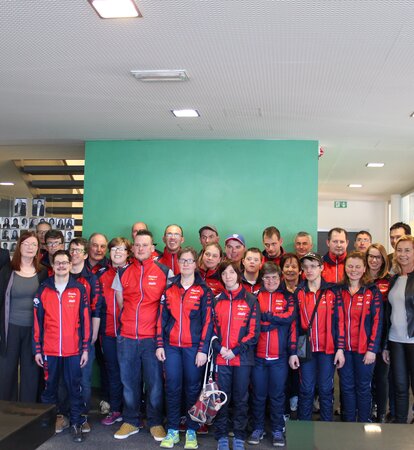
x=240, y=186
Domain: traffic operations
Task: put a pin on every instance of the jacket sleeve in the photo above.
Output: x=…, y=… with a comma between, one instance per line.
x=38, y=316
x=253, y=330
x=376, y=311
x=162, y=319
x=85, y=320
x=284, y=318
x=96, y=297
x=207, y=324
x=215, y=327
x=339, y=321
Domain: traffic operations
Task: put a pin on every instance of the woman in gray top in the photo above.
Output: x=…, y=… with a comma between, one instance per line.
x=19, y=282
x=400, y=351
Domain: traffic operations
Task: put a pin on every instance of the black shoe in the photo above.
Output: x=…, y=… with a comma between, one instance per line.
x=77, y=435
x=381, y=419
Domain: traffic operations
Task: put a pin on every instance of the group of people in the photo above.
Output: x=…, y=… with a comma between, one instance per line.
x=149, y=318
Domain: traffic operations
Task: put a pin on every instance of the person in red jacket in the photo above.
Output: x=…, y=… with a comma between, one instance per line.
x=326, y=354
x=236, y=323
x=360, y=307
x=173, y=238
x=208, y=263
x=251, y=262
x=270, y=372
x=272, y=242
x=140, y=287
x=119, y=250
x=378, y=271
x=183, y=338
x=333, y=261
x=61, y=336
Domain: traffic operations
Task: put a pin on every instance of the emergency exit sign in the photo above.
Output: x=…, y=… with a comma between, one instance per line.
x=340, y=204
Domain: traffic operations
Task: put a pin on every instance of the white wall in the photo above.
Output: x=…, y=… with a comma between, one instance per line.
x=359, y=215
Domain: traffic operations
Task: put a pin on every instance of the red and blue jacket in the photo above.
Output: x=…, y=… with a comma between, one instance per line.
x=277, y=314
x=275, y=259
x=93, y=289
x=97, y=267
x=333, y=267
x=212, y=280
x=170, y=260
x=62, y=323
x=185, y=315
x=110, y=310
x=237, y=325
x=143, y=284
x=325, y=329
x=360, y=316
x=252, y=288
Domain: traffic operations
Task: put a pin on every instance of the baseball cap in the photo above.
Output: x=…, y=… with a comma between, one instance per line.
x=208, y=227
x=236, y=237
x=312, y=256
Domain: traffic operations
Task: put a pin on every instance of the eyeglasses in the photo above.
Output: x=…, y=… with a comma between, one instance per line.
x=118, y=249
x=32, y=245
x=186, y=261
x=76, y=251
x=170, y=235
x=377, y=258
x=61, y=263
x=54, y=244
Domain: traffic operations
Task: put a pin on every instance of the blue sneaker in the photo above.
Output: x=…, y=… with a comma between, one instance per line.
x=255, y=437
x=238, y=444
x=278, y=439
x=223, y=444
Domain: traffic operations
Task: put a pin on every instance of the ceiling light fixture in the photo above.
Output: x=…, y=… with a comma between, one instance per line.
x=373, y=164
x=6, y=183
x=160, y=75
x=115, y=9
x=185, y=113
x=412, y=115
x=355, y=185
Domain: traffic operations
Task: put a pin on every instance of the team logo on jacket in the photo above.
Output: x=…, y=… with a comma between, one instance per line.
x=36, y=301
x=152, y=280
x=242, y=311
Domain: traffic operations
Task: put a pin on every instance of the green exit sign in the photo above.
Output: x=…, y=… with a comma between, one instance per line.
x=340, y=204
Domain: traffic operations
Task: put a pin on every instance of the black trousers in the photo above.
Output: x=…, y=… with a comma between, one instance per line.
x=402, y=367
x=380, y=383
x=19, y=355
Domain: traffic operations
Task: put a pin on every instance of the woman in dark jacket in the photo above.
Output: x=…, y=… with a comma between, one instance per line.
x=400, y=326
x=19, y=282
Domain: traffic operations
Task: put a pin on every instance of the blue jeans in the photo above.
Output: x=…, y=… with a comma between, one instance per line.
x=319, y=371
x=110, y=354
x=355, y=381
x=181, y=373
x=137, y=362
x=269, y=379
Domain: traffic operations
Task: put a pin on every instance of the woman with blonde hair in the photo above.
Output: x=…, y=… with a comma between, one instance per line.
x=400, y=326
x=359, y=304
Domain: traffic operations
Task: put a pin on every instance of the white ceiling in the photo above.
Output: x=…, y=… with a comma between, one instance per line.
x=337, y=71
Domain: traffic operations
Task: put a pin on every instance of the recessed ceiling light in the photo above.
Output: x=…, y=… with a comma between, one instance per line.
x=6, y=183
x=374, y=164
x=412, y=115
x=355, y=185
x=185, y=113
x=115, y=9
x=160, y=75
